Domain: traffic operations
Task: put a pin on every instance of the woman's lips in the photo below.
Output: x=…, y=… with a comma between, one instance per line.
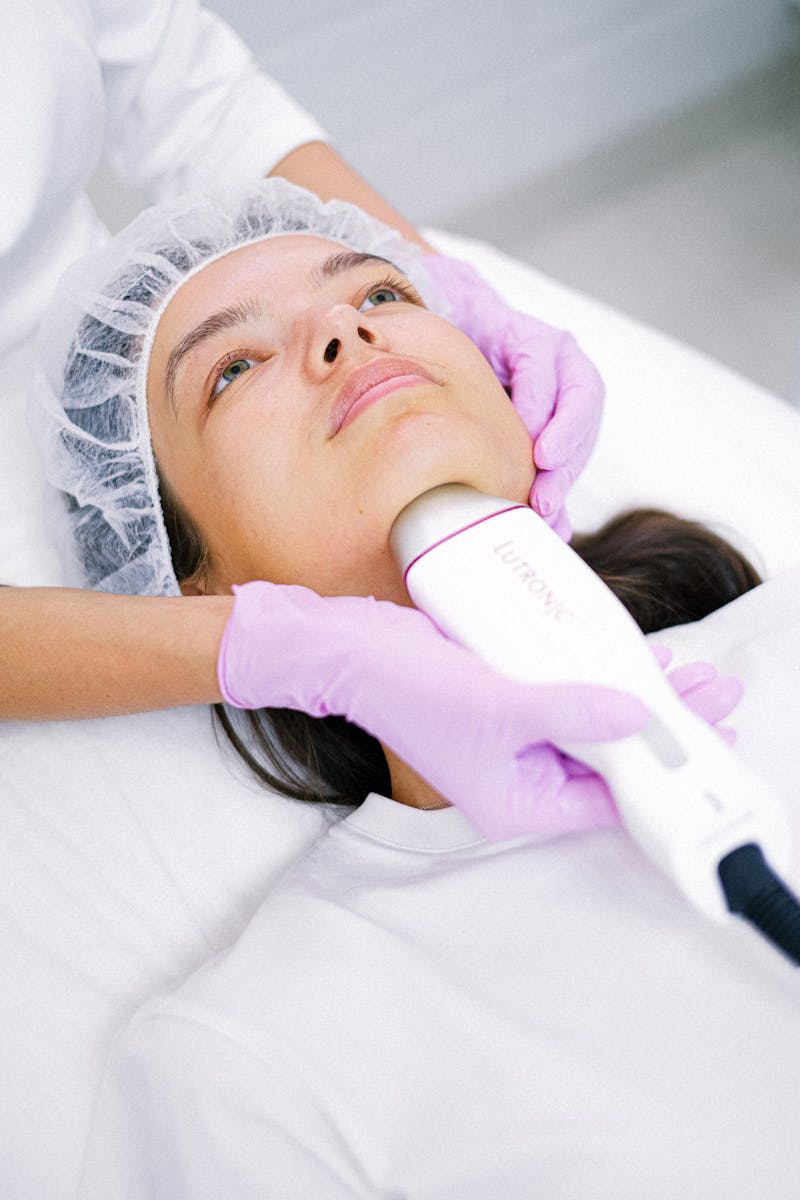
x=372, y=382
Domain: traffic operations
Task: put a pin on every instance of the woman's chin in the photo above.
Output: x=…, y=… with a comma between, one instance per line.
x=429, y=449
x=487, y=478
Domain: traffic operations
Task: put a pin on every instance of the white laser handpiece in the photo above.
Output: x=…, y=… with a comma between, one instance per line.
x=493, y=576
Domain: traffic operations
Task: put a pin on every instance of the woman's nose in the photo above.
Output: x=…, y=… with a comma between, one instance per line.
x=337, y=331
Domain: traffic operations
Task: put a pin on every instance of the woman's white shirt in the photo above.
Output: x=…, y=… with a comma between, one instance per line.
x=163, y=87
x=416, y=1012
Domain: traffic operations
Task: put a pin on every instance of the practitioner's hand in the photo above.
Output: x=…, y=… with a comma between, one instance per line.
x=713, y=697
x=584, y=802
x=480, y=739
x=554, y=387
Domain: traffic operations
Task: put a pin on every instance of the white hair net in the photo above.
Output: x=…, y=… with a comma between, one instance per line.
x=95, y=348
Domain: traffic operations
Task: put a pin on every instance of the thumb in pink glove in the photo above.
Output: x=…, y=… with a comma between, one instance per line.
x=555, y=388
x=480, y=739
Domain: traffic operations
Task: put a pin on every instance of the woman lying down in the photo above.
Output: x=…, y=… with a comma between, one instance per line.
x=251, y=392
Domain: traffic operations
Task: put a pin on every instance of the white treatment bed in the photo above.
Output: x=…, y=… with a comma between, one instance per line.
x=133, y=848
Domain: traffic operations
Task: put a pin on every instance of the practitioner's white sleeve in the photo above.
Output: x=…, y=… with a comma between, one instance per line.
x=187, y=104
x=187, y=1112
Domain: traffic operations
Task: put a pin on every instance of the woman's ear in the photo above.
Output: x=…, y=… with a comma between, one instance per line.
x=195, y=585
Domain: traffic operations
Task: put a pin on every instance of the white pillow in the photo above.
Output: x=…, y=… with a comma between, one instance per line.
x=27, y=550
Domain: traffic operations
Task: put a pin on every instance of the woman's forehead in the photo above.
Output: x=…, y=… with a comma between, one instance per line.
x=264, y=261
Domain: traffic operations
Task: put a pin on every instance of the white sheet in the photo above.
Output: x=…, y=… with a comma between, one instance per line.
x=131, y=848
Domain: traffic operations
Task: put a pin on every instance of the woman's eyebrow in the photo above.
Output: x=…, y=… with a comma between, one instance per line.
x=227, y=318
x=344, y=260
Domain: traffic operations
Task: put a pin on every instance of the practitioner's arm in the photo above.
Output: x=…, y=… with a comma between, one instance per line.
x=319, y=168
x=66, y=653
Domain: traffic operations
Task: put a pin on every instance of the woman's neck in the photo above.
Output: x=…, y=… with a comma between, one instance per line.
x=410, y=788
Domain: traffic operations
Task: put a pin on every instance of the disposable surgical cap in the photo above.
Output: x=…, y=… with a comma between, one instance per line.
x=95, y=349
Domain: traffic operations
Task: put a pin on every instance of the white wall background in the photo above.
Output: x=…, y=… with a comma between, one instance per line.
x=645, y=151
x=443, y=104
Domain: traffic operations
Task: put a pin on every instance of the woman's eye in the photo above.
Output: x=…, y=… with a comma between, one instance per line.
x=232, y=371
x=381, y=295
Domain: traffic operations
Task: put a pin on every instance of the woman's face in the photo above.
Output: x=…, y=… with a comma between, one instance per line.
x=300, y=396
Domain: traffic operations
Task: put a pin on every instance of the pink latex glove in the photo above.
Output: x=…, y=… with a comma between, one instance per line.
x=555, y=388
x=480, y=739
x=585, y=802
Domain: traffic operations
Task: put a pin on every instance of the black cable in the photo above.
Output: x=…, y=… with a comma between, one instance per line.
x=753, y=890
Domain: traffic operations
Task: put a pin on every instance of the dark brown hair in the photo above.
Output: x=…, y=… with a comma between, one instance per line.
x=665, y=570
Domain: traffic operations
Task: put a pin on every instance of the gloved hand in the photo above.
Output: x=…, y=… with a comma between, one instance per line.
x=584, y=801
x=711, y=696
x=480, y=739
x=554, y=387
